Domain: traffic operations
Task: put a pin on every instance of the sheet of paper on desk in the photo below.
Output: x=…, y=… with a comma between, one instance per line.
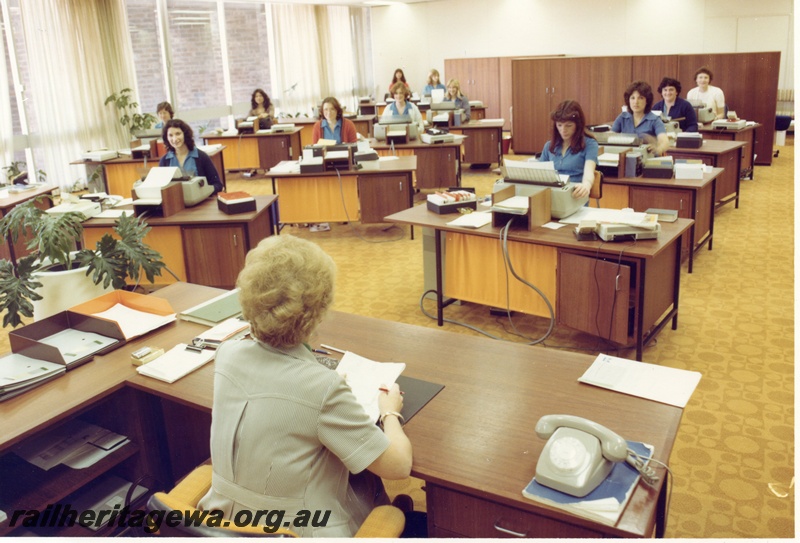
x=472, y=220
x=286, y=166
x=366, y=376
x=132, y=322
x=75, y=344
x=210, y=149
x=76, y=442
x=613, y=216
x=663, y=384
x=114, y=213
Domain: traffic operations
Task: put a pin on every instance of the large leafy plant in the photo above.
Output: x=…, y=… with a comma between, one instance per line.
x=52, y=242
x=128, y=109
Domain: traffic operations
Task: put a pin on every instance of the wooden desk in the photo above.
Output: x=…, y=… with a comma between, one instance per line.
x=121, y=173
x=719, y=154
x=692, y=198
x=201, y=244
x=258, y=151
x=632, y=287
x=438, y=165
x=484, y=141
x=365, y=195
x=363, y=126
x=747, y=135
x=12, y=251
x=474, y=444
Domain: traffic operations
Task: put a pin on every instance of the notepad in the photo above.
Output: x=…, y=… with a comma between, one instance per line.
x=472, y=220
x=176, y=363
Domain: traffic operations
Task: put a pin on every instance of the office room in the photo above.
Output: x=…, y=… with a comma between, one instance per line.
x=733, y=454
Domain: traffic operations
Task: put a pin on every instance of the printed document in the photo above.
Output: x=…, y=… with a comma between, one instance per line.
x=366, y=377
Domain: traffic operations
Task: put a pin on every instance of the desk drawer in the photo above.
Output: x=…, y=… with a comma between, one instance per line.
x=453, y=514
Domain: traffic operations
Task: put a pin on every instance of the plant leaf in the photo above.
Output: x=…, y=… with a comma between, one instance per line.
x=17, y=292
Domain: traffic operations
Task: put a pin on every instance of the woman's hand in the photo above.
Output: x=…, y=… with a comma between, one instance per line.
x=391, y=400
x=582, y=190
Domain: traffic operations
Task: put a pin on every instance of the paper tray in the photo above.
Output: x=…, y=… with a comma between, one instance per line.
x=131, y=300
x=27, y=340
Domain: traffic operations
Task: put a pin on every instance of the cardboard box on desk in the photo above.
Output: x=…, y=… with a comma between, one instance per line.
x=28, y=339
x=443, y=208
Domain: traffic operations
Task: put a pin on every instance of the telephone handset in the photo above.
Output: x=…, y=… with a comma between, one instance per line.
x=579, y=454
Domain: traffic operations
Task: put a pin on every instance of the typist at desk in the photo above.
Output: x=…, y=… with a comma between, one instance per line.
x=474, y=443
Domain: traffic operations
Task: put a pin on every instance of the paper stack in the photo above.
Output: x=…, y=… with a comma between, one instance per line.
x=20, y=374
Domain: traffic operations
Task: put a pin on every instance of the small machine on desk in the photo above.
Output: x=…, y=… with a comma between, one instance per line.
x=396, y=129
x=531, y=178
x=160, y=195
x=731, y=123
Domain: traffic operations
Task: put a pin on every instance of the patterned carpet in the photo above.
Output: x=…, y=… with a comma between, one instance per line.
x=733, y=461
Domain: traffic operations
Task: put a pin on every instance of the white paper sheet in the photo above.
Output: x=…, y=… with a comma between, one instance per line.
x=472, y=220
x=176, y=363
x=366, y=376
x=134, y=323
x=663, y=384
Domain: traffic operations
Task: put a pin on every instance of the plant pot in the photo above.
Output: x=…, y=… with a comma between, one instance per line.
x=61, y=290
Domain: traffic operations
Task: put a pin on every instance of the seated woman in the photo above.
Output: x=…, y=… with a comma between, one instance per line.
x=675, y=107
x=287, y=433
x=704, y=92
x=182, y=152
x=640, y=120
x=398, y=77
x=571, y=148
x=433, y=83
x=332, y=124
x=453, y=94
x=164, y=112
x=261, y=106
x=401, y=106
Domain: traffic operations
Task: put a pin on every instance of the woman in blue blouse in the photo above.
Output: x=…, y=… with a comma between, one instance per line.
x=182, y=152
x=401, y=106
x=639, y=120
x=433, y=83
x=454, y=94
x=572, y=150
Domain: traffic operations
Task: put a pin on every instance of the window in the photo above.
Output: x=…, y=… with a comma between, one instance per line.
x=248, y=52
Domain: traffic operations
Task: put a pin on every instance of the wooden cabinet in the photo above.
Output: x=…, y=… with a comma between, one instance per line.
x=456, y=514
x=480, y=80
x=214, y=254
x=273, y=150
x=382, y=195
x=655, y=68
x=483, y=142
x=437, y=167
x=26, y=486
x=596, y=295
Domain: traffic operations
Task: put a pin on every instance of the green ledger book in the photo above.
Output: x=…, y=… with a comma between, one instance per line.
x=215, y=310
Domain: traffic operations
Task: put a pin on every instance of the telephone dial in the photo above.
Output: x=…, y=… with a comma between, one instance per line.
x=579, y=454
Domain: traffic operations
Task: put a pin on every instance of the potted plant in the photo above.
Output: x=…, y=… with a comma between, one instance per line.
x=53, y=239
x=128, y=109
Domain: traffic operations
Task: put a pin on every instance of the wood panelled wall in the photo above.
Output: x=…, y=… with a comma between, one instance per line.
x=749, y=80
x=534, y=85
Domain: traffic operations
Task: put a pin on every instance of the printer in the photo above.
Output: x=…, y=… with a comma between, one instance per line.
x=705, y=114
x=99, y=156
x=391, y=124
x=529, y=178
x=148, y=192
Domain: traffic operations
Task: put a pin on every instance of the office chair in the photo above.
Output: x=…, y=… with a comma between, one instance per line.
x=597, y=187
x=383, y=521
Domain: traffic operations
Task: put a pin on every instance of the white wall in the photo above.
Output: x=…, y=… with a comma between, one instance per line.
x=417, y=37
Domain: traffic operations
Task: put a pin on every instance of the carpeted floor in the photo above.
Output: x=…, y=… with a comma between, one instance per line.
x=733, y=461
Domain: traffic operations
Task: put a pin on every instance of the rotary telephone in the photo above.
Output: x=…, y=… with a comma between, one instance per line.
x=579, y=454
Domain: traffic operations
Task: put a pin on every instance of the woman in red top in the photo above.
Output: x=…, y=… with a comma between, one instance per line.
x=332, y=125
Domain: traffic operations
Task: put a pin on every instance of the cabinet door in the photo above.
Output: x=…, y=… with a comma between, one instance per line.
x=437, y=167
x=609, y=77
x=382, y=195
x=482, y=146
x=214, y=254
x=593, y=296
x=655, y=68
x=272, y=150
x=642, y=198
x=530, y=98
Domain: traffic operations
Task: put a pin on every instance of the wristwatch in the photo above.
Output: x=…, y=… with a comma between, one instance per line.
x=393, y=414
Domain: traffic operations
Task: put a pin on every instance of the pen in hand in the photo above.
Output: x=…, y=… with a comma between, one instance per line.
x=382, y=389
